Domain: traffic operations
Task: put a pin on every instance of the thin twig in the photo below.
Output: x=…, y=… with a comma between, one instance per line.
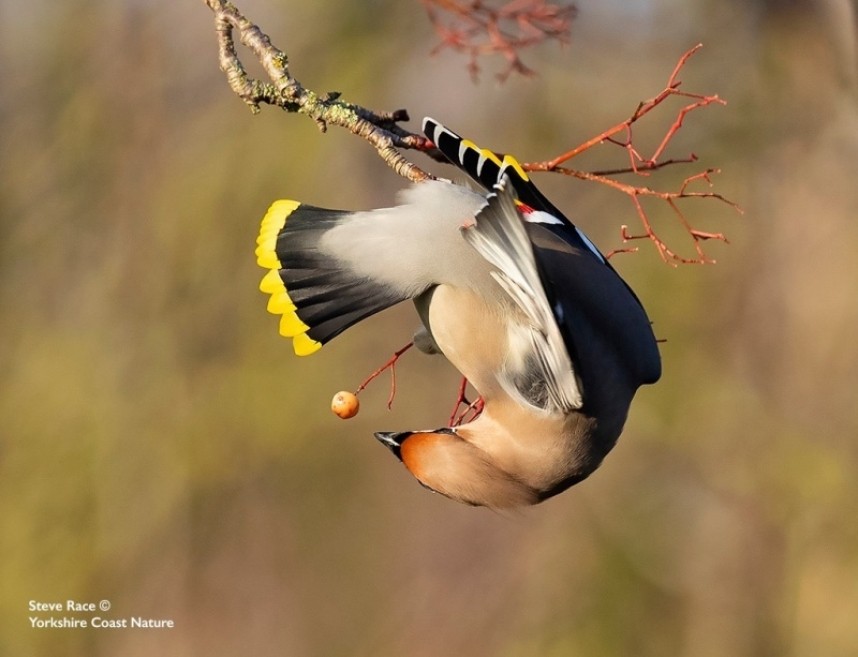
x=636, y=192
x=621, y=135
x=389, y=365
x=472, y=408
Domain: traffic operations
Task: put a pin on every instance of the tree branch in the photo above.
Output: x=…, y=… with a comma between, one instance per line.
x=381, y=130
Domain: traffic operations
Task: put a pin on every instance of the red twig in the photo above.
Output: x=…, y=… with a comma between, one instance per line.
x=643, y=108
x=621, y=135
x=472, y=409
x=471, y=412
x=635, y=193
x=460, y=399
x=629, y=249
x=476, y=28
x=391, y=365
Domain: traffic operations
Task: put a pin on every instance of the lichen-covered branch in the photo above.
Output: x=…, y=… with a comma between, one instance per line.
x=380, y=129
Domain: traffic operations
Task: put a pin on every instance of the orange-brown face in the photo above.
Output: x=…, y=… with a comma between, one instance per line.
x=417, y=451
x=414, y=449
x=445, y=463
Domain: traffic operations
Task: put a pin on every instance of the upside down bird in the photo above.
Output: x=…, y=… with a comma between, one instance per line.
x=508, y=289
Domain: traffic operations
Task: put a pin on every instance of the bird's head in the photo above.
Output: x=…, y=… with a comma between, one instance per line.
x=444, y=462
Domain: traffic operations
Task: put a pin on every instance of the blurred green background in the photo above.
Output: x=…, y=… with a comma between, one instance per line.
x=161, y=447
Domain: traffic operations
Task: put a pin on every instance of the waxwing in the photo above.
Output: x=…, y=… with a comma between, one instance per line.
x=508, y=289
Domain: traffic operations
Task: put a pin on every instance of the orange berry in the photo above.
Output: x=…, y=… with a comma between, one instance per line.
x=345, y=404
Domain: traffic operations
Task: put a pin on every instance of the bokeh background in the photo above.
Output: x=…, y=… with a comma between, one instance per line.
x=161, y=447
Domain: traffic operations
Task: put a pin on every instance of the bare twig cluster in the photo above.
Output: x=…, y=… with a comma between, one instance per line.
x=477, y=28
x=621, y=135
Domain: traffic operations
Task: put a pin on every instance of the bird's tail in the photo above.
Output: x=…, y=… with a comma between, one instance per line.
x=317, y=295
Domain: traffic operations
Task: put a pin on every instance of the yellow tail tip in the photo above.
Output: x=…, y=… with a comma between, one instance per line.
x=279, y=303
x=272, y=224
x=271, y=283
x=292, y=326
x=278, y=212
x=304, y=345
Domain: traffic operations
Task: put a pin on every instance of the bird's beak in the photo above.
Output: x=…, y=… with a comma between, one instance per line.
x=393, y=441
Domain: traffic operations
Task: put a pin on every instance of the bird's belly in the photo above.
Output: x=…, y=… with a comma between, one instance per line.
x=538, y=447
x=472, y=334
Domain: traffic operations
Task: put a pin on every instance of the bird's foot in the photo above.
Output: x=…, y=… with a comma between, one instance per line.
x=472, y=409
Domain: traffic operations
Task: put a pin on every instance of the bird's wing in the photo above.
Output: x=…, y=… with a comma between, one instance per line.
x=488, y=168
x=604, y=326
x=606, y=330
x=543, y=374
x=481, y=164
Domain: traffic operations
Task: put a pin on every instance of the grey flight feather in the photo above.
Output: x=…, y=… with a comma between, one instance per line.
x=499, y=236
